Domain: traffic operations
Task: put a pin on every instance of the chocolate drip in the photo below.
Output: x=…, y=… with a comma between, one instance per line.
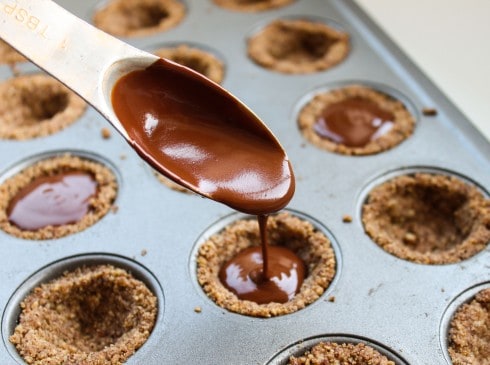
x=52, y=201
x=264, y=274
x=354, y=122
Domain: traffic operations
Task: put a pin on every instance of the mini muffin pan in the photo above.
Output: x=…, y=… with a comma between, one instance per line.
x=399, y=307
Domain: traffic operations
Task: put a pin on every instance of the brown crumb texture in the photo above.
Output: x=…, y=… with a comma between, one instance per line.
x=252, y=5
x=430, y=112
x=312, y=246
x=8, y=55
x=469, y=332
x=428, y=218
x=105, y=133
x=100, y=204
x=403, y=123
x=341, y=354
x=346, y=218
x=135, y=18
x=200, y=61
x=298, y=46
x=171, y=184
x=92, y=315
x=36, y=106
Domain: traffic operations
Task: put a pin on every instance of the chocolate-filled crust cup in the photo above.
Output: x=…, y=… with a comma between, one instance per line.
x=341, y=353
x=252, y=5
x=355, y=120
x=36, y=106
x=41, y=192
x=284, y=229
x=298, y=46
x=137, y=18
x=91, y=315
x=199, y=60
x=469, y=331
x=8, y=55
x=428, y=218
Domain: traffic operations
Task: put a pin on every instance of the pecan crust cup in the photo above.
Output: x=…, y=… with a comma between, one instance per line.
x=469, y=333
x=402, y=127
x=298, y=46
x=35, y=106
x=344, y=353
x=200, y=61
x=428, y=218
x=312, y=246
x=99, y=204
x=136, y=18
x=92, y=315
x=8, y=55
x=252, y=5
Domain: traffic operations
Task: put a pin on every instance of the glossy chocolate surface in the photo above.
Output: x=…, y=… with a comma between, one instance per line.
x=52, y=201
x=243, y=275
x=354, y=122
x=197, y=134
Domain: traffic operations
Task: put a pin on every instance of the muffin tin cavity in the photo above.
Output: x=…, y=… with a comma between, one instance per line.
x=200, y=60
x=308, y=239
x=8, y=55
x=465, y=328
x=355, y=119
x=338, y=349
x=298, y=46
x=35, y=106
x=428, y=217
x=252, y=5
x=45, y=192
x=85, y=309
x=135, y=18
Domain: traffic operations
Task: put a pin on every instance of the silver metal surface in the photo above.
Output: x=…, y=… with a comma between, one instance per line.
x=390, y=302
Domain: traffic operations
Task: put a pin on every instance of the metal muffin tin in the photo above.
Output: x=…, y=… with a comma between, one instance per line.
x=398, y=306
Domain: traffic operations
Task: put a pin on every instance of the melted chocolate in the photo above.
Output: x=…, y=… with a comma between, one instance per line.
x=198, y=135
x=264, y=274
x=354, y=122
x=52, y=201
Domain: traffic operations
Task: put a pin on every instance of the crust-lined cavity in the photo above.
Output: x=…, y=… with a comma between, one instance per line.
x=35, y=106
x=171, y=184
x=311, y=245
x=8, y=55
x=469, y=332
x=92, y=315
x=403, y=123
x=200, y=61
x=428, y=218
x=298, y=46
x=341, y=353
x=252, y=5
x=134, y=18
x=99, y=204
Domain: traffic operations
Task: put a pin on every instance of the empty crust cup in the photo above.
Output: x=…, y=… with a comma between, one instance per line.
x=36, y=106
x=91, y=315
x=469, y=332
x=298, y=46
x=252, y=5
x=341, y=353
x=8, y=55
x=98, y=205
x=200, y=61
x=311, y=245
x=402, y=125
x=137, y=18
x=428, y=218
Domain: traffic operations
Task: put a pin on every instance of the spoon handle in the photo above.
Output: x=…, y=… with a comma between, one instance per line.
x=74, y=52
